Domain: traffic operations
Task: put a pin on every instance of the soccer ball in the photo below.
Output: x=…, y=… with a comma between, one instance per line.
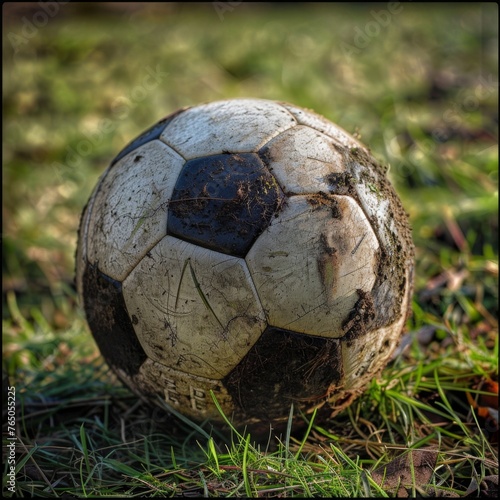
x=250, y=252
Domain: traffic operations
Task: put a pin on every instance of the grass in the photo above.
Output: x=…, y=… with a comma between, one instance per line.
x=85, y=435
x=421, y=93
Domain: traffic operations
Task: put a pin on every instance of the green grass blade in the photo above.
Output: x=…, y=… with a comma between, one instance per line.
x=288, y=430
x=246, y=480
x=223, y=415
x=85, y=451
x=306, y=435
x=183, y=418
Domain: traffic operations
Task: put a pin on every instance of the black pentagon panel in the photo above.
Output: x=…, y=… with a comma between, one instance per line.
x=109, y=321
x=224, y=202
x=149, y=135
x=282, y=368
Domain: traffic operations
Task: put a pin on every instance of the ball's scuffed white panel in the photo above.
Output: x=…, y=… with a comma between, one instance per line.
x=193, y=309
x=236, y=125
x=364, y=356
x=322, y=245
x=301, y=160
x=376, y=207
x=376, y=204
x=311, y=119
x=184, y=392
x=130, y=208
x=371, y=200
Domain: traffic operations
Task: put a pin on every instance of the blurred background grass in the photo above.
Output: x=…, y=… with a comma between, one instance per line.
x=418, y=83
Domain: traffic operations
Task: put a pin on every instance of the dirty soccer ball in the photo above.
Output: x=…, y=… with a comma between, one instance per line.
x=250, y=249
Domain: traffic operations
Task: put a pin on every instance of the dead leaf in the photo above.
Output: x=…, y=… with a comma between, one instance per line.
x=397, y=475
x=487, y=489
x=489, y=486
x=486, y=405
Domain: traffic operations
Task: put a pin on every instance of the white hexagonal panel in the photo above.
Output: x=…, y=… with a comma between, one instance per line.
x=129, y=214
x=308, y=117
x=322, y=244
x=242, y=125
x=301, y=160
x=378, y=198
x=194, y=309
x=374, y=204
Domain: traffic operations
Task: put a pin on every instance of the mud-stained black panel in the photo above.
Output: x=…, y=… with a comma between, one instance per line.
x=109, y=321
x=281, y=368
x=149, y=135
x=223, y=202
